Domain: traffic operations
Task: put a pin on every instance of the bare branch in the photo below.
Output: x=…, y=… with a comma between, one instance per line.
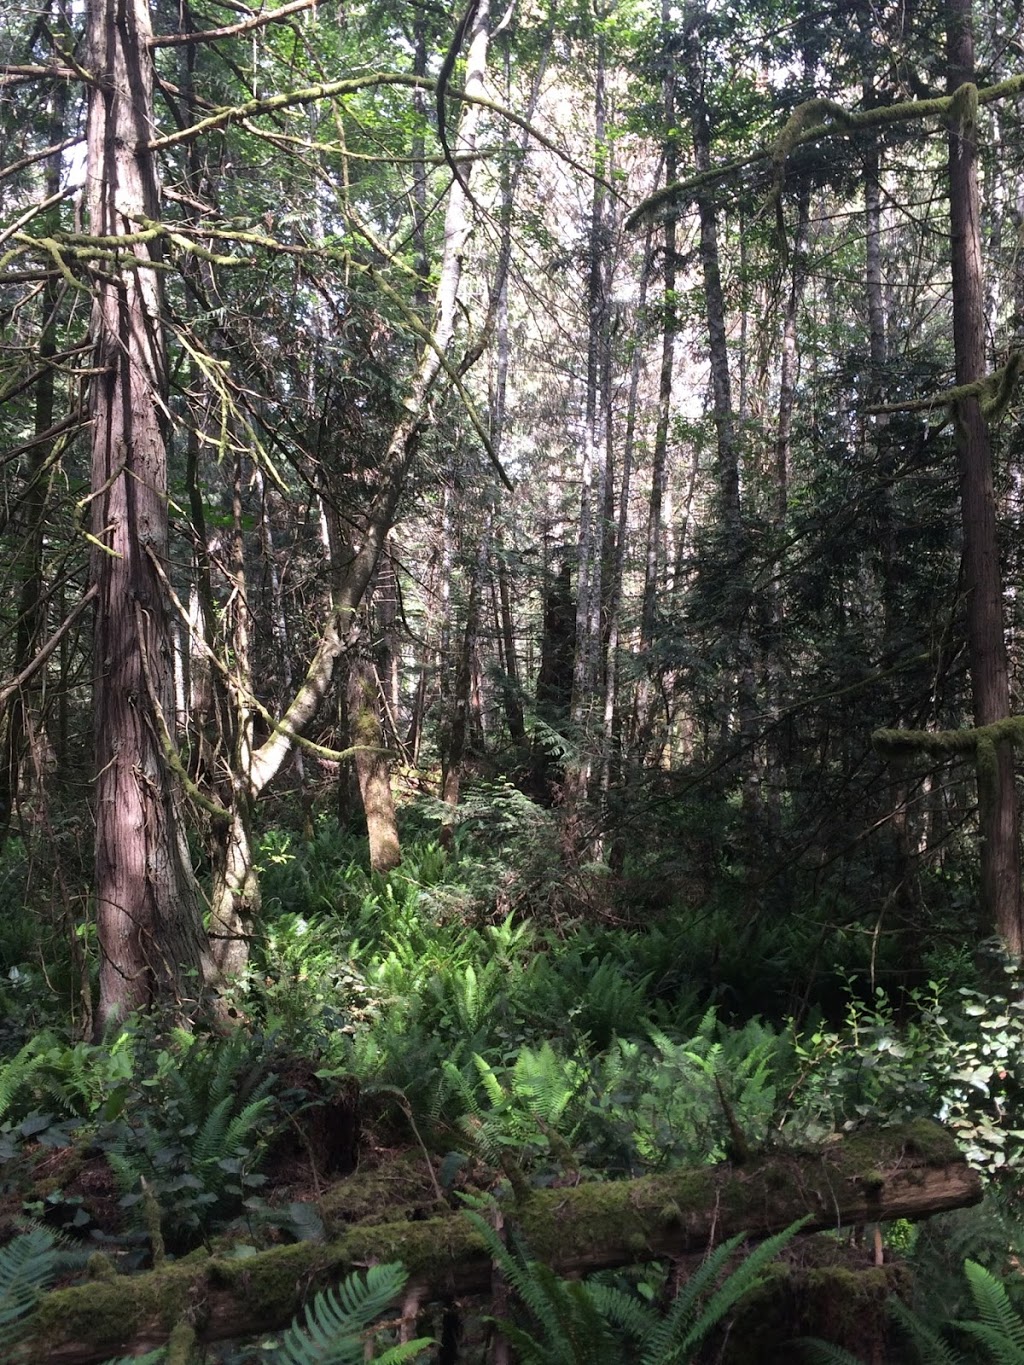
x=35, y=664
x=7, y=171
x=209, y=35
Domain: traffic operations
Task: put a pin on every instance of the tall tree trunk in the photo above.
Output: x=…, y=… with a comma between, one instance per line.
x=554, y=679
x=456, y=723
x=590, y=541
x=735, y=574
x=512, y=687
x=669, y=328
x=718, y=345
x=789, y=365
x=373, y=770
x=1000, y=837
x=147, y=904
x=235, y=892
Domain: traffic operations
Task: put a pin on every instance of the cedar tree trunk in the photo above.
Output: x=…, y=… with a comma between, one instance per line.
x=997, y=801
x=147, y=908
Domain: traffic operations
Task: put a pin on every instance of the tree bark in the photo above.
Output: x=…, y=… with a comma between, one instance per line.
x=373, y=769
x=456, y=724
x=997, y=801
x=147, y=905
x=235, y=895
x=586, y=671
x=735, y=586
x=670, y=325
x=908, y=1172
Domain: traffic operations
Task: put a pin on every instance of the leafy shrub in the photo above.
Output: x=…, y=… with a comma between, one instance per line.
x=191, y=1130
x=958, y=1056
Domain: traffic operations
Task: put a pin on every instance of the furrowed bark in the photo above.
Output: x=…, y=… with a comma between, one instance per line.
x=147, y=904
x=997, y=798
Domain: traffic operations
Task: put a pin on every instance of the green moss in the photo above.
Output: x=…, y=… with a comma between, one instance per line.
x=380, y=1194
x=963, y=109
x=923, y=1139
x=110, y=1313
x=101, y=1267
x=270, y=1286
x=181, y=1348
x=841, y=1304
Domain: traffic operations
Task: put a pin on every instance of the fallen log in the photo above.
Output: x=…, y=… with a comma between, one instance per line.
x=910, y=1171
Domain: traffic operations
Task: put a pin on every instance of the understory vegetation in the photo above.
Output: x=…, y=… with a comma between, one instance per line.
x=512, y=1029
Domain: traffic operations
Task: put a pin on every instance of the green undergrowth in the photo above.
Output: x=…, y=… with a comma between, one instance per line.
x=522, y=1027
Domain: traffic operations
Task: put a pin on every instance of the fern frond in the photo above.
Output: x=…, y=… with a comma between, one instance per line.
x=626, y=1311
x=824, y=1353
x=515, y=1270
x=995, y=1310
x=15, y=1072
x=336, y=1321
x=575, y=1331
x=697, y=1319
x=489, y=1080
x=404, y=1351
x=685, y=1306
x=661, y=1040
x=27, y=1262
x=228, y=1060
x=1000, y=1348
x=208, y=1143
x=245, y=1125
x=545, y=1082
x=150, y=1358
x=930, y=1346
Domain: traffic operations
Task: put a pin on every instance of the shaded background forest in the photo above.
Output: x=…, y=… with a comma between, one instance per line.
x=717, y=570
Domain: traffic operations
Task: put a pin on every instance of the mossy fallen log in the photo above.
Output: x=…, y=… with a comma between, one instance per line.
x=910, y=1171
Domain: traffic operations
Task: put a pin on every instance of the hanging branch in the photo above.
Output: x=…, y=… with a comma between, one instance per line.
x=29, y=671
x=462, y=28
x=994, y=390
x=981, y=741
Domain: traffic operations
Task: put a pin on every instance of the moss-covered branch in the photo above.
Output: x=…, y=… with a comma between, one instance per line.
x=818, y=119
x=994, y=390
x=902, y=744
x=906, y=1172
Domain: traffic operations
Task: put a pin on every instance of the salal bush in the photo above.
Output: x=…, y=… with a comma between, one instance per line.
x=955, y=1054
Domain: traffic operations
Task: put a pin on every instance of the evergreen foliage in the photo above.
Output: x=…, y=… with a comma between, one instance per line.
x=997, y=1329
x=587, y=1322
x=27, y=1263
x=335, y=1325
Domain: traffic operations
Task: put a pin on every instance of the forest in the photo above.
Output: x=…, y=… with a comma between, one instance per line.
x=510, y=525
